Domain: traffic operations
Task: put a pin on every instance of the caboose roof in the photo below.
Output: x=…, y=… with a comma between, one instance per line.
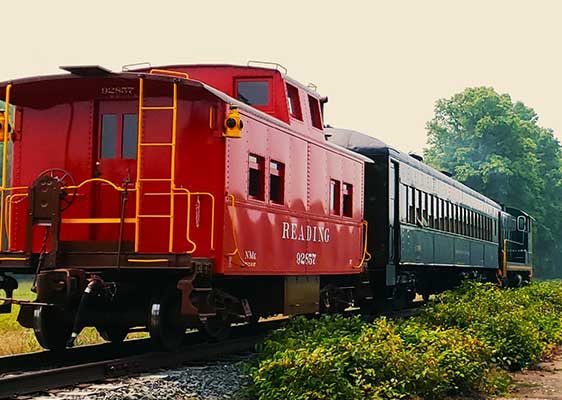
x=41, y=92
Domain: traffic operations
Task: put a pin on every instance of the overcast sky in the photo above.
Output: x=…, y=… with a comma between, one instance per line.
x=383, y=64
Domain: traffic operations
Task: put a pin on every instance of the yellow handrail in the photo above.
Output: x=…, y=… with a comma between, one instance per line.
x=113, y=185
x=212, y=197
x=173, y=168
x=4, y=162
x=156, y=71
x=9, y=201
x=365, y=251
x=234, y=235
x=139, y=160
x=188, y=222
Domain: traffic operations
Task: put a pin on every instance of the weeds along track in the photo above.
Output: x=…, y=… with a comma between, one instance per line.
x=35, y=372
x=41, y=371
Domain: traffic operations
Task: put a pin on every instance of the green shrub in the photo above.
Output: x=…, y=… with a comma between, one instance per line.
x=383, y=360
x=460, y=342
x=519, y=325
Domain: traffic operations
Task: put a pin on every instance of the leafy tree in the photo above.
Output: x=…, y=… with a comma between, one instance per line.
x=496, y=146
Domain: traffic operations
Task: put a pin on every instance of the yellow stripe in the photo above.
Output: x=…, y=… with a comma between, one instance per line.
x=13, y=258
x=97, y=220
x=147, y=260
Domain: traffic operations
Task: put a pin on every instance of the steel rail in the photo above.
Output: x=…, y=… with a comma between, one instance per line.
x=42, y=380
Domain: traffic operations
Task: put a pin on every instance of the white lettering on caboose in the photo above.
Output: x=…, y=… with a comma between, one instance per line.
x=305, y=233
x=118, y=91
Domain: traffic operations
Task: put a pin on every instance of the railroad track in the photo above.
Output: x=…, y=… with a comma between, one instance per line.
x=86, y=364
x=244, y=339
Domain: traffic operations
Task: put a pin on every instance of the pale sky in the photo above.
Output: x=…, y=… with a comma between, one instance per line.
x=383, y=64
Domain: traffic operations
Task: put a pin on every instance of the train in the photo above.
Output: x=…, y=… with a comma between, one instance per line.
x=180, y=197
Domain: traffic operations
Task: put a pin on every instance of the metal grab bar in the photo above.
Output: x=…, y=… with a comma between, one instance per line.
x=8, y=217
x=188, y=219
x=366, y=255
x=156, y=71
x=236, y=250
x=113, y=185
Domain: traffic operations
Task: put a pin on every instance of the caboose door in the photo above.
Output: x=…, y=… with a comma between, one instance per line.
x=115, y=152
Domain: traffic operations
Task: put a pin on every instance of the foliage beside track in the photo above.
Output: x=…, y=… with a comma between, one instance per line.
x=462, y=341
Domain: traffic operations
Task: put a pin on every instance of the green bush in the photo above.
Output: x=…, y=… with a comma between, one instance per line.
x=461, y=342
x=519, y=325
x=382, y=360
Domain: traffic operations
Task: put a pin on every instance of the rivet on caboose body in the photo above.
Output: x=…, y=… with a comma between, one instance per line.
x=152, y=200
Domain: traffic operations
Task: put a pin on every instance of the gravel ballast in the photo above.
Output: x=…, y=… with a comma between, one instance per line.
x=216, y=381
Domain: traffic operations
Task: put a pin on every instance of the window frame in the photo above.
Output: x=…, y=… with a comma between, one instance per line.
x=123, y=132
x=316, y=120
x=294, y=109
x=256, y=165
x=280, y=173
x=347, y=193
x=263, y=107
x=335, y=197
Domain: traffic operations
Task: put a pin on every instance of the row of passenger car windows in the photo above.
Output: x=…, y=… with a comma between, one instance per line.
x=428, y=210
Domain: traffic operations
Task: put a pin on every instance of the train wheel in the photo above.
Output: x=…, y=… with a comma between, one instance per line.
x=51, y=329
x=332, y=300
x=113, y=334
x=165, y=326
x=215, y=328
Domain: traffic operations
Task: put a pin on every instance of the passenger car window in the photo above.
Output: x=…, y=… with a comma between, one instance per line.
x=254, y=93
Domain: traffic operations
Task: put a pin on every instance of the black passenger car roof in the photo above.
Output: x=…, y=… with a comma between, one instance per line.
x=372, y=147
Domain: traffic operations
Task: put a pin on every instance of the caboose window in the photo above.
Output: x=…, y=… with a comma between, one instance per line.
x=254, y=93
x=347, y=200
x=294, y=102
x=335, y=197
x=129, y=149
x=256, y=177
x=108, y=136
x=315, y=116
x=276, y=181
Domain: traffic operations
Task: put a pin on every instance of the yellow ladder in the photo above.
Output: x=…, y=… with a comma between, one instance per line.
x=141, y=144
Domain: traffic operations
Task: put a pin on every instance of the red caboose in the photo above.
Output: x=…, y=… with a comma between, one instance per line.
x=175, y=197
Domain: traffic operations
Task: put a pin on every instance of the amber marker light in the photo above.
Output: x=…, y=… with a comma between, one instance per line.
x=233, y=124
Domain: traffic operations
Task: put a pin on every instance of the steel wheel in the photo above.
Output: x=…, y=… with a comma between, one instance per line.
x=51, y=329
x=215, y=328
x=167, y=331
x=113, y=334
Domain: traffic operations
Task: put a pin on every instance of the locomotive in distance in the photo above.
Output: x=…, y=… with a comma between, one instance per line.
x=198, y=196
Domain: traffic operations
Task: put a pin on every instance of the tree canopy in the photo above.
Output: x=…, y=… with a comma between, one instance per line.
x=495, y=145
